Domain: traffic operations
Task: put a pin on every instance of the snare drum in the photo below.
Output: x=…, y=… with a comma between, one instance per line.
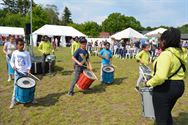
x=85, y=80
x=147, y=103
x=50, y=58
x=108, y=74
x=25, y=89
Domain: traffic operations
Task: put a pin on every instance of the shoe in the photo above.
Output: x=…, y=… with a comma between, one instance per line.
x=11, y=105
x=70, y=93
x=9, y=80
x=34, y=102
x=137, y=89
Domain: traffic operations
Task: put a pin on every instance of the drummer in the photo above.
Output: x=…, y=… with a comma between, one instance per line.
x=21, y=62
x=106, y=55
x=46, y=48
x=142, y=57
x=81, y=60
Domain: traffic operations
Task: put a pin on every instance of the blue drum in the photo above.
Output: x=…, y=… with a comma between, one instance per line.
x=25, y=89
x=108, y=74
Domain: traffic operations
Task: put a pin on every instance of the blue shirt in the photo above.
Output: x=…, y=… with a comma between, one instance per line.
x=107, y=54
x=81, y=55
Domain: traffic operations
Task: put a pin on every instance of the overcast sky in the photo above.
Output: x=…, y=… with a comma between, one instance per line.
x=148, y=12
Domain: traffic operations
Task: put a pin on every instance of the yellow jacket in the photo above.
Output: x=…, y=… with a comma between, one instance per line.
x=45, y=47
x=74, y=47
x=143, y=56
x=168, y=64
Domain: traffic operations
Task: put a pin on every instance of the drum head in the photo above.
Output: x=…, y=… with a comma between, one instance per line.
x=50, y=57
x=108, y=69
x=25, y=82
x=89, y=74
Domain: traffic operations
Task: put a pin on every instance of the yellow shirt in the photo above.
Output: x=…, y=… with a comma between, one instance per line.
x=74, y=47
x=144, y=56
x=168, y=64
x=45, y=47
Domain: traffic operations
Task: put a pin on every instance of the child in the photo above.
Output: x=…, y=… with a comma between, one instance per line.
x=106, y=56
x=21, y=62
x=46, y=48
x=8, y=48
x=81, y=59
x=144, y=58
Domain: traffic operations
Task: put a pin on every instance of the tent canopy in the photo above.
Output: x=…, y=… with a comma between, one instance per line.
x=56, y=30
x=128, y=33
x=156, y=32
x=11, y=30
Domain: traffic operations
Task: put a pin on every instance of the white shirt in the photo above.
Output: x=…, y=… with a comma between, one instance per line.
x=10, y=47
x=21, y=60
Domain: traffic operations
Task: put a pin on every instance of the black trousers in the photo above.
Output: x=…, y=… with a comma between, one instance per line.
x=164, y=99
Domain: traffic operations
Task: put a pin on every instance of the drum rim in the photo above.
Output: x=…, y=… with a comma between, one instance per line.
x=86, y=70
x=108, y=71
x=22, y=87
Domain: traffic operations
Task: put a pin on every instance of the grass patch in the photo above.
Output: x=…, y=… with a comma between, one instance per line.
x=116, y=104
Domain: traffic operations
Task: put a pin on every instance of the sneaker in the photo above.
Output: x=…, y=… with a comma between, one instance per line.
x=9, y=79
x=137, y=88
x=70, y=93
x=34, y=102
x=11, y=105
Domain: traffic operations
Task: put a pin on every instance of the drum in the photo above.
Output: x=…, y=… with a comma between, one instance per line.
x=85, y=80
x=147, y=103
x=50, y=58
x=108, y=74
x=25, y=89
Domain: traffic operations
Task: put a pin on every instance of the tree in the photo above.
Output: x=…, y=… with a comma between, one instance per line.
x=91, y=29
x=117, y=22
x=17, y=6
x=52, y=14
x=66, y=18
x=184, y=28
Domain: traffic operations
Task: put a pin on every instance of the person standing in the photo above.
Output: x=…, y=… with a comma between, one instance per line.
x=144, y=58
x=106, y=55
x=75, y=45
x=8, y=48
x=21, y=63
x=169, y=71
x=81, y=61
x=45, y=48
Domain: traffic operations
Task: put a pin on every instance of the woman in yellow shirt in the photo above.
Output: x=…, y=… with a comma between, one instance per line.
x=169, y=72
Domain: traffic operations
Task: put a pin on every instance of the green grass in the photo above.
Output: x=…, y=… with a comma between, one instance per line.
x=116, y=104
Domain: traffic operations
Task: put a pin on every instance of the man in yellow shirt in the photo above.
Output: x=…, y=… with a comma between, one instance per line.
x=45, y=48
x=75, y=45
x=142, y=57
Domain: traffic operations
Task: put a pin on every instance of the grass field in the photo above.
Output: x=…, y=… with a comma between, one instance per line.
x=116, y=104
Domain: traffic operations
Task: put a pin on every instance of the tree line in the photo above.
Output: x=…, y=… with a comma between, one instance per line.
x=16, y=13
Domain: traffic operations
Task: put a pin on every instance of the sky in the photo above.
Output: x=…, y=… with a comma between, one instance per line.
x=148, y=12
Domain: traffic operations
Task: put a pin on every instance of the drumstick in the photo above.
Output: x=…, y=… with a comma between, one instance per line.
x=114, y=65
x=95, y=75
x=34, y=76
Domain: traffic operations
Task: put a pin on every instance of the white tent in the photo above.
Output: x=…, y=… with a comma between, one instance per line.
x=56, y=30
x=127, y=33
x=11, y=30
x=156, y=32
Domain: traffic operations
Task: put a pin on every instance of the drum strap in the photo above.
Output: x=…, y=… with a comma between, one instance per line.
x=181, y=66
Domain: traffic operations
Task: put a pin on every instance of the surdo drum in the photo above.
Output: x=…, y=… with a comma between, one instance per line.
x=146, y=94
x=85, y=80
x=25, y=89
x=108, y=74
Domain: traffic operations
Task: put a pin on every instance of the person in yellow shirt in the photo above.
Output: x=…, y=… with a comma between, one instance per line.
x=45, y=48
x=75, y=45
x=170, y=69
x=142, y=57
